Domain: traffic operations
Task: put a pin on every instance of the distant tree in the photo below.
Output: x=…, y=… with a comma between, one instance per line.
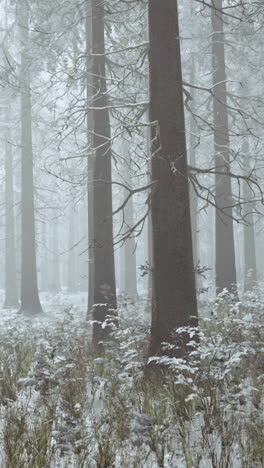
x=130, y=267
x=90, y=145
x=56, y=286
x=82, y=248
x=173, y=292
x=250, y=266
x=128, y=250
x=44, y=264
x=30, y=302
x=11, y=293
x=225, y=265
x=71, y=277
x=104, y=270
x=192, y=159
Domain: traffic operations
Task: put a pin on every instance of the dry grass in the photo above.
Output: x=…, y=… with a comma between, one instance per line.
x=62, y=402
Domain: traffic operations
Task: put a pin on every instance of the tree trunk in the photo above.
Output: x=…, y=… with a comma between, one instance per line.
x=130, y=256
x=104, y=270
x=121, y=283
x=44, y=260
x=71, y=280
x=224, y=235
x=150, y=263
x=82, y=249
x=11, y=293
x=18, y=227
x=90, y=234
x=90, y=162
x=173, y=292
x=193, y=195
x=56, y=287
x=250, y=266
x=30, y=302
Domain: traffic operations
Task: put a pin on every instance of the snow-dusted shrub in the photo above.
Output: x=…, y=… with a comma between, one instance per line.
x=64, y=403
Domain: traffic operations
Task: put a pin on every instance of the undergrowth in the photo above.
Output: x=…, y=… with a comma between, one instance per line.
x=63, y=404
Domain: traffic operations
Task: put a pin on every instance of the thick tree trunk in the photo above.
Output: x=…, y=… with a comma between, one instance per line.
x=30, y=302
x=224, y=235
x=173, y=292
x=250, y=267
x=11, y=293
x=90, y=234
x=149, y=220
x=149, y=233
x=150, y=262
x=104, y=270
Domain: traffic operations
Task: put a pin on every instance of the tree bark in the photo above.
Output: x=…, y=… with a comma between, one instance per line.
x=90, y=234
x=250, y=267
x=11, y=293
x=225, y=265
x=104, y=270
x=30, y=302
x=150, y=263
x=173, y=291
x=193, y=196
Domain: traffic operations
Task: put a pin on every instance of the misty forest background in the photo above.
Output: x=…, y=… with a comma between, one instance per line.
x=131, y=233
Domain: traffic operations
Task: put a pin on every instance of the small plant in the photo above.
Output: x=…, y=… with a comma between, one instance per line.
x=105, y=457
x=14, y=436
x=64, y=403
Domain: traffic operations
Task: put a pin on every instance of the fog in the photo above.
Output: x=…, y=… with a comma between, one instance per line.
x=131, y=229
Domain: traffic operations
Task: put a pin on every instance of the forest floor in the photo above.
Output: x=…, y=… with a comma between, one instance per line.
x=63, y=405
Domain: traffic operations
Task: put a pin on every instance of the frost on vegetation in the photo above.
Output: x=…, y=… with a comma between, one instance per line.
x=64, y=404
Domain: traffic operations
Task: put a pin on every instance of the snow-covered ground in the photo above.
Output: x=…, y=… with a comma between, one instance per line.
x=64, y=405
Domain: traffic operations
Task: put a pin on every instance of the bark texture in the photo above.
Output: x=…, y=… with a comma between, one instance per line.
x=225, y=265
x=173, y=290
x=104, y=270
x=192, y=158
x=30, y=302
